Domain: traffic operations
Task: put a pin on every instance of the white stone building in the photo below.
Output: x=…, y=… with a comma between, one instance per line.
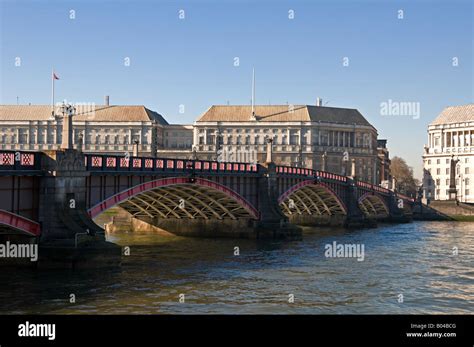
x=450, y=135
x=301, y=135
x=109, y=129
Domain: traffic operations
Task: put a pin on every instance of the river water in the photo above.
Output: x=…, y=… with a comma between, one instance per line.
x=421, y=267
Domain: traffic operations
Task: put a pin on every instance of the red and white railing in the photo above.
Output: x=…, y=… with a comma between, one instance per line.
x=297, y=171
x=95, y=162
x=16, y=160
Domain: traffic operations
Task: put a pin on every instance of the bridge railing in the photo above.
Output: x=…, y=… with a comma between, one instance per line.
x=374, y=187
x=298, y=171
x=382, y=190
x=16, y=160
x=405, y=197
x=97, y=162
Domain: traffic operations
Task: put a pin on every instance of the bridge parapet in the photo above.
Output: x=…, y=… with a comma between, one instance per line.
x=406, y=198
x=96, y=162
x=296, y=171
x=16, y=161
x=373, y=187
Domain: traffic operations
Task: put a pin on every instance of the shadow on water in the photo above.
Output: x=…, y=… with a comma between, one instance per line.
x=164, y=258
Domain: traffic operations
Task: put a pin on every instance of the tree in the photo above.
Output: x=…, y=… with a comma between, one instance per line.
x=406, y=183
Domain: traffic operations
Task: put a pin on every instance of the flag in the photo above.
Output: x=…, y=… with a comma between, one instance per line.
x=55, y=77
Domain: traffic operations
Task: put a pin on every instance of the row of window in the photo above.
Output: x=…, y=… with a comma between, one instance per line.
x=448, y=171
x=179, y=134
x=111, y=140
x=448, y=161
x=90, y=139
x=438, y=192
x=466, y=182
x=283, y=140
x=322, y=138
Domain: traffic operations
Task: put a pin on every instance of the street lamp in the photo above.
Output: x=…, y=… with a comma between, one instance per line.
x=219, y=141
x=194, y=153
x=460, y=177
x=68, y=112
x=345, y=160
x=136, y=142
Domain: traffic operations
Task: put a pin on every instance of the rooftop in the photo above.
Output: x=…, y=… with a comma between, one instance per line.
x=283, y=113
x=455, y=114
x=97, y=113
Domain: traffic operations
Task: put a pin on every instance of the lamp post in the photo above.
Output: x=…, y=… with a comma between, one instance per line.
x=219, y=141
x=80, y=142
x=135, y=147
x=269, y=150
x=68, y=112
x=345, y=160
x=461, y=179
x=194, y=153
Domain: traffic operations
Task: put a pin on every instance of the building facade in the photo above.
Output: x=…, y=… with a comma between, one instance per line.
x=383, y=164
x=316, y=137
x=309, y=136
x=177, y=142
x=109, y=129
x=450, y=137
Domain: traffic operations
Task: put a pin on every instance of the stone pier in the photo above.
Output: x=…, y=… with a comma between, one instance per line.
x=69, y=237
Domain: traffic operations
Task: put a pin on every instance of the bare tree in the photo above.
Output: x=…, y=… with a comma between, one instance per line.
x=406, y=183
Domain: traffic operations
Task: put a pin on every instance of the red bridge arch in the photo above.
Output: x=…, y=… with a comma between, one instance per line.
x=373, y=204
x=178, y=182
x=330, y=194
x=18, y=223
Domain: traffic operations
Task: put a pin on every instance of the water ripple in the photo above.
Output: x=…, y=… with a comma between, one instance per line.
x=413, y=260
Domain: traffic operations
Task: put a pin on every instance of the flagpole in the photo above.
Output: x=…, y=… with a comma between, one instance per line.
x=253, y=91
x=52, y=92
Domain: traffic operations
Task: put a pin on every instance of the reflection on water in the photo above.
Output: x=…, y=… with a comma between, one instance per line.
x=415, y=260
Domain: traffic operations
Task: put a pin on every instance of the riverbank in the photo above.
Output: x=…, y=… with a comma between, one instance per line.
x=444, y=210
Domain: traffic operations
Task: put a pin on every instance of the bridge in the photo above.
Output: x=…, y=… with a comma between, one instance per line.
x=55, y=195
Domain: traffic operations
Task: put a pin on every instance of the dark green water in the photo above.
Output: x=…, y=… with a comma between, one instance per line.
x=415, y=260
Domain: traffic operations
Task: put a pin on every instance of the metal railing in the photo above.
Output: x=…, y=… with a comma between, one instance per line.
x=97, y=162
x=371, y=186
x=298, y=171
x=310, y=173
x=31, y=161
x=20, y=160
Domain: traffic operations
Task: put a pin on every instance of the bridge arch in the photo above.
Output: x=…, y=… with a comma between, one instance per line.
x=373, y=205
x=309, y=197
x=11, y=223
x=180, y=197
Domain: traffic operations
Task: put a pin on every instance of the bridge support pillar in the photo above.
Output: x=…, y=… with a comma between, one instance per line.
x=273, y=222
x=355, y=217
x=396, y=212
x=69, y=236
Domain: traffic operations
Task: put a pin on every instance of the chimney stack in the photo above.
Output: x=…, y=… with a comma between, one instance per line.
x=107, y=100
x=319, y=102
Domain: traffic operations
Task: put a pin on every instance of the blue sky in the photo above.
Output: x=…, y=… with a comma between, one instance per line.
x=190, y=61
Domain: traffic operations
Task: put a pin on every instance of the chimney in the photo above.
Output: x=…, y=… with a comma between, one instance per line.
x=107, y=100
x=319, y=102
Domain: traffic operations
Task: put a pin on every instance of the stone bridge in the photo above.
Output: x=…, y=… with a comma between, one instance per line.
x=56, y=195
